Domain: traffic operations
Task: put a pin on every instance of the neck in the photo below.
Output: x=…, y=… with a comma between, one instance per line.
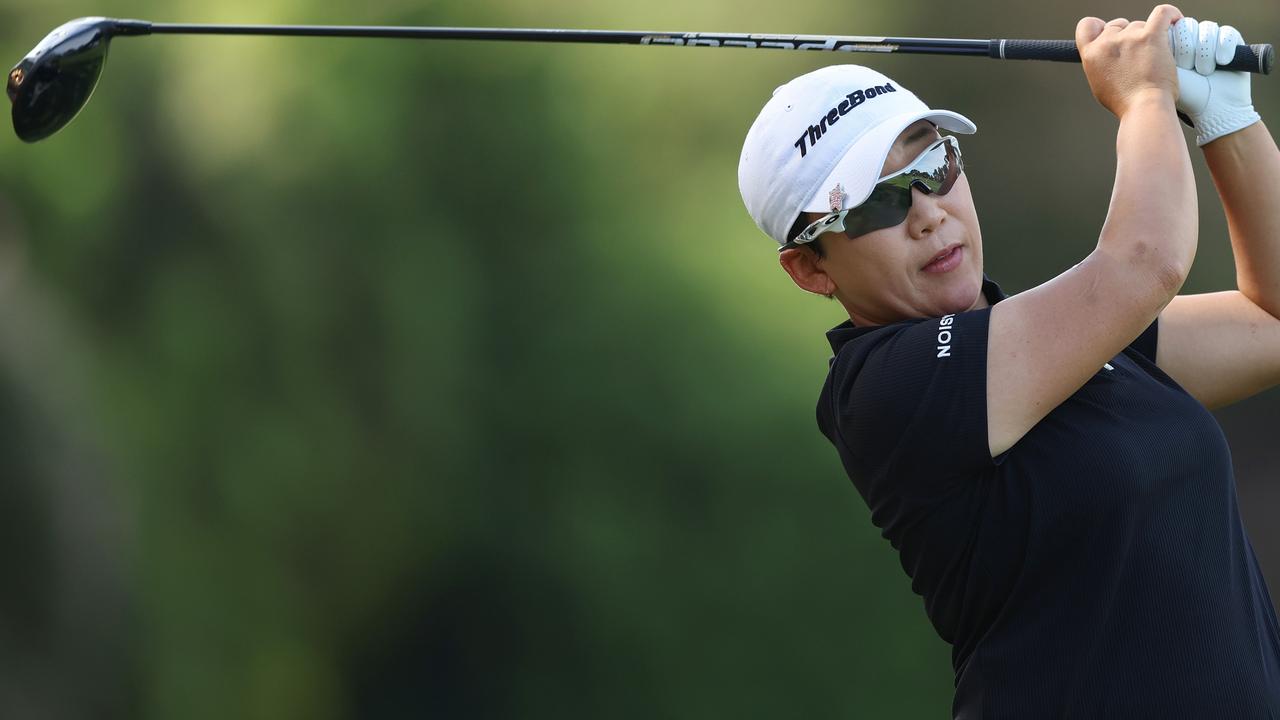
x=861, y=320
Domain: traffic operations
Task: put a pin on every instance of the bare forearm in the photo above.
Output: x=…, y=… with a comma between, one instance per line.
x=1151, y=222
x=1246, y=171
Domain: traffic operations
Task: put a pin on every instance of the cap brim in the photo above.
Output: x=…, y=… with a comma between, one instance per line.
x=859, y=168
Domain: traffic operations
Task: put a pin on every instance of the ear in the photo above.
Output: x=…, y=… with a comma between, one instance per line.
x=805, y=268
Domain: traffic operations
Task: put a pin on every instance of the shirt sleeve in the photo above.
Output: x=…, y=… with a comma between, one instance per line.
x=911, y=403
x=1146, y=342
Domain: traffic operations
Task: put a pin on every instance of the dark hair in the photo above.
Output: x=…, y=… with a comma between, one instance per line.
x=798, y=227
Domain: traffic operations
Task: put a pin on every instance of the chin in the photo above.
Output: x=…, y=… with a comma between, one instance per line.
x=962, y=295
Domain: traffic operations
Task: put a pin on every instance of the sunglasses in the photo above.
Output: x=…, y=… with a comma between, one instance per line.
x=934, y=171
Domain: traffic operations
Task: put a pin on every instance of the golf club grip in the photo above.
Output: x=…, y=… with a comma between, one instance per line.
x=1257, y=58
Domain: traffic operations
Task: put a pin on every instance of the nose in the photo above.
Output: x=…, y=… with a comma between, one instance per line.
x=926, y=214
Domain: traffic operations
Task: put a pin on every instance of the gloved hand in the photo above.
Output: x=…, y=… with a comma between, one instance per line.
x=1214, y=102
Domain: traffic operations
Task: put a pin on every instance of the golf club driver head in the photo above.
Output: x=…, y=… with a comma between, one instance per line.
x=54, y=81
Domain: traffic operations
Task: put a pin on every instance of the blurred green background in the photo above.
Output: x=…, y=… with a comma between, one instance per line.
x=388, y=379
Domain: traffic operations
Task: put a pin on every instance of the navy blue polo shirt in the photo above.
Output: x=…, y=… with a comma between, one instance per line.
x=1097, y=569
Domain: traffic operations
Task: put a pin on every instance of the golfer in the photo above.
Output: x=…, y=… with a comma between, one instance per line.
x=1044, y=463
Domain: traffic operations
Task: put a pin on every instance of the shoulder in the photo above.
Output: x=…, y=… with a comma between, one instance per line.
x=894, y=390
x=910, y=350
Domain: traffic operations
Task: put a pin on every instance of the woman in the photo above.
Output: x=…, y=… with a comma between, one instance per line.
x=1045, y=463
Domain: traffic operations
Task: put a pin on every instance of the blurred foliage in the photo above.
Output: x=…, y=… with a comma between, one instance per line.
x=374, y=379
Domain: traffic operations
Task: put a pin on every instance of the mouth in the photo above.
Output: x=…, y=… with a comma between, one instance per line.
x=946, y=260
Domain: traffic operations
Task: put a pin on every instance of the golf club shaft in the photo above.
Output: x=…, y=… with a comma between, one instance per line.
x=1249, y=58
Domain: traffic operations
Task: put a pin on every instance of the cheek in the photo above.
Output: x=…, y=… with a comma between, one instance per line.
x=959, y=203
x=873, y=260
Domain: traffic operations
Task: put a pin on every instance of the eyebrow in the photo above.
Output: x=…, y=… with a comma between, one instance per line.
x=921, y=133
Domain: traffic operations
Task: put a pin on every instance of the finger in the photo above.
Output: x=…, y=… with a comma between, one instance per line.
x=1228, y=39
x=1207, y=47
x=1184, y=35
x=1118, y=24
x=1088, y=30
x=1164, y=16
x=1193, y=91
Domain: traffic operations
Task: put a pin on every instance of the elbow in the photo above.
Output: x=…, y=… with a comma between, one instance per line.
x=1164, y=264
x=1167, y=275
x=1153, y=274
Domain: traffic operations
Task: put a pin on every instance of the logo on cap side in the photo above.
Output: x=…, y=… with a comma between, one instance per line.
x=850, y=101
x=836, y=198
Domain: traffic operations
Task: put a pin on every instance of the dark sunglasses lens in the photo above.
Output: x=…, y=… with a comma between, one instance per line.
x=887, y=206
x=936, y=171
x=890, y=202
x=950, y=171
x=53, y=92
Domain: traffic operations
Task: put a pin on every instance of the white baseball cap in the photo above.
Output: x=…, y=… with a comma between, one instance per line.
x=835, y=125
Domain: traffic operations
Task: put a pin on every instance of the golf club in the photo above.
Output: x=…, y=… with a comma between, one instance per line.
x=54, y=81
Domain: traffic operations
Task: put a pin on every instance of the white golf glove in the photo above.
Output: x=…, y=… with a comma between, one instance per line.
x=1216, y=102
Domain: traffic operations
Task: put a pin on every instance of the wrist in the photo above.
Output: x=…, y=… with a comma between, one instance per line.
x=1152, y=100
x=1217, y=125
